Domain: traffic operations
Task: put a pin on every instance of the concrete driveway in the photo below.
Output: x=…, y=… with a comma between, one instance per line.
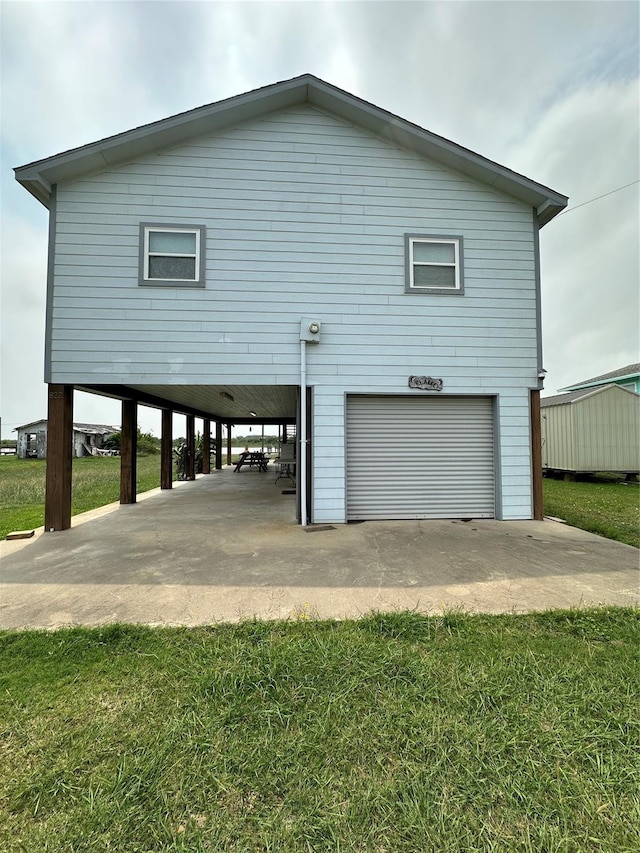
x=226, y=547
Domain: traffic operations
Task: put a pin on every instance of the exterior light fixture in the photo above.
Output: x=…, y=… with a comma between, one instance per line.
x=542, y=373
x=253, y=414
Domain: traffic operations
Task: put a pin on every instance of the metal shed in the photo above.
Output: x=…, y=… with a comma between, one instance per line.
x=595, y=429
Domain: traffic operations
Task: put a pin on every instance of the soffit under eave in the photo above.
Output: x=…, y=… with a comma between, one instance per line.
x=229, y=402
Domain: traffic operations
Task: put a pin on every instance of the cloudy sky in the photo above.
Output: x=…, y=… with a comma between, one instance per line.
x=549, y=89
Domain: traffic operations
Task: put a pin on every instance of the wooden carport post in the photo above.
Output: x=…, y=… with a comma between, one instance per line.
x=218, y=446
x=190, y=472
x=166, y=450
x=57, y=506
x=206, y=446
x=128, y=452
x=536, y=456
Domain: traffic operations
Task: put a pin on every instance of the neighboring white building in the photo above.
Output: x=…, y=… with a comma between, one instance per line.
x=189, y=258
x=88, y=439
x=593, y=429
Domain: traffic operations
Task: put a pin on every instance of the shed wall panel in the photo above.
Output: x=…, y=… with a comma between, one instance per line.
x=608, y=432
x=558, y=443
x=600, y=432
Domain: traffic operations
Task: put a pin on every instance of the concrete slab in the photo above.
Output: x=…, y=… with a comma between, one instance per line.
x=227, y=547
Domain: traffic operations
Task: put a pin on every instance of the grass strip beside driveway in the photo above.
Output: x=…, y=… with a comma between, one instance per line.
x=96, y=482
x=610, y=508
x=396, y=732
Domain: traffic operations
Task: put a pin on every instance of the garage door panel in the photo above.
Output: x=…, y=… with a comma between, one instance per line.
x=420, y=457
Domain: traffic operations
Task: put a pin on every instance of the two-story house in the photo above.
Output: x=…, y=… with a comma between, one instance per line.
x=296, y=254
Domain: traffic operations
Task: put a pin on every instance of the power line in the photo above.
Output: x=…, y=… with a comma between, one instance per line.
x=597, y=198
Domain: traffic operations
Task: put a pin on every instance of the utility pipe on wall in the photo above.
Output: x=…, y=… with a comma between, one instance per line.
x=302, y=461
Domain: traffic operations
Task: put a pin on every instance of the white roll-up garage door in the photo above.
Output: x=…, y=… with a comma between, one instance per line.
x=420, y=457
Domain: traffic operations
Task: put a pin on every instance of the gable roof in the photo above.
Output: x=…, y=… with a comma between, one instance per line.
x=630, y=371
x=575, y=396
x=39, y=177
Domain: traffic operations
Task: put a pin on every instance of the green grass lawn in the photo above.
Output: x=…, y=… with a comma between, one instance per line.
x=96, y=482
x=609, y=508
x=396, y=733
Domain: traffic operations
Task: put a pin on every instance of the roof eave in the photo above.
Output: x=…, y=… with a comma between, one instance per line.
x=583, y=394
x=572, y=397
x=39, y=176
x=612, y=380
x=550, y=208
x=37, y=186
x=547, y=202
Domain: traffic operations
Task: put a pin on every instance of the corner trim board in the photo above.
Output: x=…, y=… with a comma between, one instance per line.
x=51, y=261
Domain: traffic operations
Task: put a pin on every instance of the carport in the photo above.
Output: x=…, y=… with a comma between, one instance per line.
x=222, y=406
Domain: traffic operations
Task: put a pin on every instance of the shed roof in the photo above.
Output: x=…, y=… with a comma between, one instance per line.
x=40, y=176
x=629, y=371
x=582, y=394
x=99, y=429
x=30, y=424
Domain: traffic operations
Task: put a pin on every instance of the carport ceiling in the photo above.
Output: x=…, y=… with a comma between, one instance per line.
x=230, y=402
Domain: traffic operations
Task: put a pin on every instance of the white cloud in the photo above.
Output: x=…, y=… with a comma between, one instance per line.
x=481, y=73
x=73, y=93
x=585, y=146
x=590, y=137
x=22, y=315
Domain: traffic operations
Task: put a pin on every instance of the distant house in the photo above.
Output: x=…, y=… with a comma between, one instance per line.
x=88, y=439
x=627, y=377
x=592, y=429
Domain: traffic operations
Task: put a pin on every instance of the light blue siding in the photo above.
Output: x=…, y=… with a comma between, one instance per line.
x=305, y=215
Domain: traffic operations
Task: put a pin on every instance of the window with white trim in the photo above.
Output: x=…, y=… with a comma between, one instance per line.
x=172, y=255
x=433, y=264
